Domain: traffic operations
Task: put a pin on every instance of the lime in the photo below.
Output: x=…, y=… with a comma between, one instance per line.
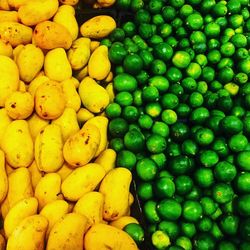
x=157, y=19
x=145, y=191
x=147, y=57
x=160, y=240
x=244, y=65
x=118, y=127
x=132, y=64
x=201, y=60
x=189, y=147
x=204, y=177
x=243, y=159
x=158, y=67
x=179, y=131
x=160, y=82
x=130, y=113
x=242, y=182
x=156, y=144
x=188, y=229
x=204, y=241
x=184, y=242
x=192, y=211
x=163, y=51
x=153, y=109
x=194, y=194
x=219, y=9
x=193, y=70
x=184, y=184
x=238, y=142
x=186, y=10
x=225, y=75
x=126, y=159
x=164, y=187
x=227, y=49
x=177, y=3
x=208, y=158
x=136, y=5
x=117, y=54
x=212, y=29
x=169, y=101
x=235, y=21
x=155, y=6
x=181, y=59
x=225, y=171
x=182, y=110
x=160, y=128
x=189, y=84
x=145, y=30
x=165, y=30
x=173, y=149
x=205, y=224
x=196, y=99
x=159, y=159
x=116, y=144
x=135, y=231
x=204, y=136
x=169, y=116
x=174, y=74
x=245, y=229
x=125, y=82
x=113, y=110
x=194, y=21
x=171, y=228
x=117, y=34
x=137, y=99
x=129, y=27
x=149, y=210
x=231, y=125
x=208, y=205
x=169, y=209
x=214, y=56
x=243, y=204
x=168, y=13
x=145, y=121
x=220, y=146
x=134, y=140
x=222, y=193
x=180, y=165
x=150, y=94
x=124, y=98
x=146, y=169
x=239, y=40
x=229, y=224
x=226, y=245
x=142, y=16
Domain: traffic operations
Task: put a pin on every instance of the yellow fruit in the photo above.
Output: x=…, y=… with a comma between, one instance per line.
x=3, y=177
x=107, y=159
x=123, y=222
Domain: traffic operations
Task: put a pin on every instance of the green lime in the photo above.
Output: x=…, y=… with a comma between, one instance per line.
x=156, y=144
x=239, y=40
x=193, y=70
x=157, y=19
x=113, y=110
x=136, y=5
x=225, y=75
x=208, y=74
x=184, y=242
x=160, y=160
x=169, y=209
x=222, y=193
x=145, y=121
x=226, y=245
x=204, y=241
x=182, y=110
x=229, y=224
x=194, y=194
x=242, y=182
x=158, y=67
x=135, y=231
x=160, y=128
x=160, y=240
x=188, y=229
x=169, y=116
x=225, y=171
x=186, y=10
x=160, y=82
x=227, y=49
x=214, y=56
x=173, y=149
x=196, y=99
x=208, y=205
x=192, y=211
x=146, y=169
x=130, y=113
x=245, y=229
x=212, y=29
x=204, y=136
x=244, y=65
x=171, y=228
x=243, y=159
x=142, y=16
x=184, y=184
x=238, y=142
x=179, y=131
x=235, y=21
x=125, y=82
x=174, y=75
x=124, y=98
x=117, y=54
x=150, y=211
x=194, y=21
x=208, y=158
x=153, y=109
x=231, y=125
x=145, y=191
x=234, y=6
x=155, y=6
x=205, y=224
x=150, y=94
x=147, y=57
x=134, y=141
x=168, y=13
x=219, y=9
x=177, y=3
x=132, y=64
x=126, y=159
x=189, y=84
x=181, y=59
x=213, y=43
x=129, y=27
x=164, y=187
x=117, y=35
x=204, y=177
x=169, y=101
x=165, y=30
x=201, y=60
x=116, y=144
x=180, y=165
x=189, y=148
x=163, y=51
x=220, y=146
x=118, y=127
x=243, y=205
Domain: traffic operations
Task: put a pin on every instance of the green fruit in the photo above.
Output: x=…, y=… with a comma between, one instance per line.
x=169, y=209
x=192, y=211
x=222, y=193
x=164, y=187
x=243, y=159
x=146, y=169
x=125, y=82
x=145, y=191
x=135, y=231
x=225, y=171
x=126, y=159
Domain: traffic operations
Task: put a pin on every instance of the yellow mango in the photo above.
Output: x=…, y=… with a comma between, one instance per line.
x=15, y=33
x=17, y=192
x=83, y=115
x=17, y=144
x=29, y=234
x=107, y=159
x=17, y=50
x=82, y=73
x=6, y=15
x=67, y=123
x=9, y=169
x=116, y=203
x=94, y=45
x=80, y=148
x=9, y=78
x=5, y=48
x=22, y=86
x=5, y=120
x=49, y=149
x=94, y=97
x=123, y=222
x=69, y=2
x=2, y=242
x=48, y=189
x=98, y=27
x=109, y=77
x=36, y=124
x=19, y=105
x=101, y=123
x=38, y=81
x=64, y=171
x=82, y=180
x=57, y=66
x=18, y=212
x=4, y=5
x=101, y=237
x=35, y=12
x=16, y=4
x=70, y=94
x=67, y=233
x=3, y=177
x=99, y=65
x=66, y=17
x=79, y=53
x=49, y=100
x=29, y=61
x=91, y=206
x=53, y=212
x=110, y=89
x=51, y=35
x=35, y=173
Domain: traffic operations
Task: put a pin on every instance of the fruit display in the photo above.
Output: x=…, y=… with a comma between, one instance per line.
x=125, y=124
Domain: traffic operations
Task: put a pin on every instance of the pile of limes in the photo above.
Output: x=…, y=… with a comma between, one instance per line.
x=180, y=120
